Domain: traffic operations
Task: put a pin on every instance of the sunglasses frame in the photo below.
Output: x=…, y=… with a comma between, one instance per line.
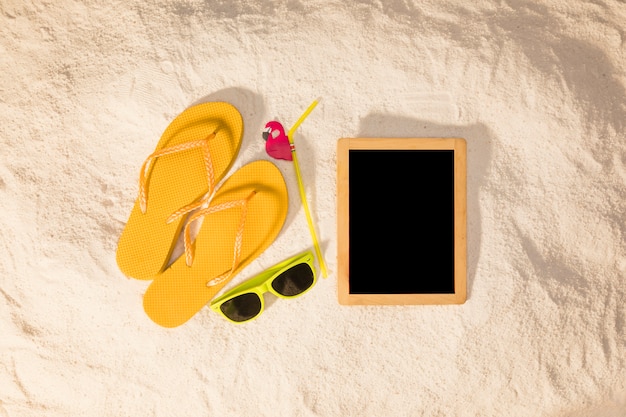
x=262, y=283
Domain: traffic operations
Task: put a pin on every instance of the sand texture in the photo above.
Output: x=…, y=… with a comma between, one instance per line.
x=538, y=90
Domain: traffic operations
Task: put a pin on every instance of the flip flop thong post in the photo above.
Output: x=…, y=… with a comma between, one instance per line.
x=243, y=219
x=194, y=153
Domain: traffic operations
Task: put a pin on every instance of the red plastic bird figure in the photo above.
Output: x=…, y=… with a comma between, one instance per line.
x=276, y=141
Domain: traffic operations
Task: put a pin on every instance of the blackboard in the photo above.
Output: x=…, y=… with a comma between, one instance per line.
x=401, y=220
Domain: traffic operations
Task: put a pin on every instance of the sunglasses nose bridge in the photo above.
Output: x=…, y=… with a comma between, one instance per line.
x=266, y=287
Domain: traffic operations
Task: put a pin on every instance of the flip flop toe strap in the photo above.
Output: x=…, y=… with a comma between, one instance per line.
x=189, y=249
x=208, y=164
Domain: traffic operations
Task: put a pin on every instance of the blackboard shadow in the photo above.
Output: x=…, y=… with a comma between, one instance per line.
x=479, y=138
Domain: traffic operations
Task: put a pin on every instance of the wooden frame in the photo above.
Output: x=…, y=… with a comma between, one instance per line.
x=459, y=241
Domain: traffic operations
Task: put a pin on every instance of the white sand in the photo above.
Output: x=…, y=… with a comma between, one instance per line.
x=538, y=89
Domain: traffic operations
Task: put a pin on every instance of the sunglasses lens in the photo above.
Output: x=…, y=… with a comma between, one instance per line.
x=242, y=308
x=294, y=281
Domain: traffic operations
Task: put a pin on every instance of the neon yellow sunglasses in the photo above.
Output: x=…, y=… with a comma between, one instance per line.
x=288, y=279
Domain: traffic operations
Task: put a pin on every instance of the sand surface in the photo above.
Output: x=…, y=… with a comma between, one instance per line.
x=538, y=90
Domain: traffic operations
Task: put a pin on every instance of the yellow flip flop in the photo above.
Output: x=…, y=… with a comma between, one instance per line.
x=194, y=153
x=243, y=219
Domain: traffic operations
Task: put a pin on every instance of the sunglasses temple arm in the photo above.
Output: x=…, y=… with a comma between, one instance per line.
x=301, y=188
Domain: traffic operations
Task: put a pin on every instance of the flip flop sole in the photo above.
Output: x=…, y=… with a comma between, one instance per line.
x=175, y=181
x=181, y=291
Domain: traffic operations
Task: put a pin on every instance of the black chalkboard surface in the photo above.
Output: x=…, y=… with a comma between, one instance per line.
x=401, y=220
